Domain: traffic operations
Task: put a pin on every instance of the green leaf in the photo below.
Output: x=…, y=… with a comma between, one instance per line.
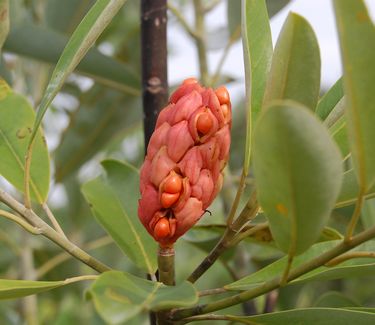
x=340, y=135
x=330, y=99
x=120, y=296
x=295, y=69
x=350, y=268
x=257, y=47
x=299, y=193
x=357, y=40
x=40, y=43
x=4, y=21
x=113, y=199
x=368, y=214
x=311, y=316
x=334, y=299
x=11, y=289
x=102, y=114
x=234, y=16
x=274, y=6
x=90, y=28
x=350, y=189
x=205, y=236
x=16, y=120
x=64, y=16
x=234, y=12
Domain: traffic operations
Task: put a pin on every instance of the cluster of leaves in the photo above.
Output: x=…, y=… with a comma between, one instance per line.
x=298, y=147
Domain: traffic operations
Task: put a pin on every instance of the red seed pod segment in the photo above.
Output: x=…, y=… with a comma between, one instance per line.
x=183, y=168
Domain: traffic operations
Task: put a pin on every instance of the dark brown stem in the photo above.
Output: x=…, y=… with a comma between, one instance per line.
x=154, y=62
x=154, y=67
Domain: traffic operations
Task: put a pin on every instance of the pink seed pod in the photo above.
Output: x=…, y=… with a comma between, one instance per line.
x=183, y=169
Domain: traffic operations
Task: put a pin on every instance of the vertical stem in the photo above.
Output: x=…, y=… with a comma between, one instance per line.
x=200, y=40
x=154, y=62
x=166, y=265
x=154, y=67
x=356, y=214
x=166, y=275
x=29, y=304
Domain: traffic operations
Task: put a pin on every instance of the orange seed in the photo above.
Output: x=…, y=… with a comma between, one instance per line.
x=162, y=229
x=173, y=184
x=204, y=123
x=168, y=199
x=222, y=95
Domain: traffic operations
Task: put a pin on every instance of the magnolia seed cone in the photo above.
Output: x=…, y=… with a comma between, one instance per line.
x=183, y=169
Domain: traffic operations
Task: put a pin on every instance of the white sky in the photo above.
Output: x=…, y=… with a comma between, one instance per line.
x=319, y=13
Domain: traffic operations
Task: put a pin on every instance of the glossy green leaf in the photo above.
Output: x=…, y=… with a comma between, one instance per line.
x=330, y=99
x=257, y=47
x=234, y=12
x=120, y=296
x=295, y=69
x=311, y=316
x=90, y=28
x=306, y=174
x=11, y=289
x=113, y=198
x=40, y=43
x=348, y=269
x=350, y=189
x=357, y=40
x=16, y=120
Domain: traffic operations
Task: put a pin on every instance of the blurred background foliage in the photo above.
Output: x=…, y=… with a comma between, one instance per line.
x=98, y=115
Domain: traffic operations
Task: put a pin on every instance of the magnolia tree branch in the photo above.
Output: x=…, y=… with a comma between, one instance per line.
x=45, y=230
x=154, y=62
x=274, y=283
x=154, y=81
x=229, y=237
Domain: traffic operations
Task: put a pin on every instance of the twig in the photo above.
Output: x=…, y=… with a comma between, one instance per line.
x=248, y=232
x=274, y=283
x=28, y=158
x=29, y=304
x=210, y=292
x=53, y=219
x=271, y=301
x=24, y=224
x=356, y=214
x=248, y=213
x=51, y=234
x=224, y=56
x=64, y=256
x=348, y=256
x=217, y=317
x=181, y=19
x=200, y=40
x=211, y=5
